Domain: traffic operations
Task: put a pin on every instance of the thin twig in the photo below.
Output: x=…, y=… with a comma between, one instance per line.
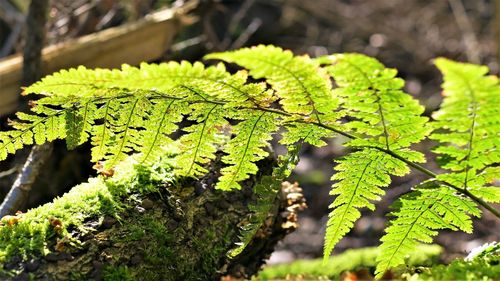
x=235, y=21
x=469, y=37
x=19, y=192
x=9, y=172
x=35, y=37
x=249, y=31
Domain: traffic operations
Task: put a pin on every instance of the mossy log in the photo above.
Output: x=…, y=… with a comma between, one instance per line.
x=143, y=223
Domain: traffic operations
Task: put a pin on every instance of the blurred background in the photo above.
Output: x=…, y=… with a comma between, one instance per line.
x=404, y=34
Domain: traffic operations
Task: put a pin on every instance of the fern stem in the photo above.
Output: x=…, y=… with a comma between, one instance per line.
x=393, y=154
x=434, y=175
x=416, y=166
x=420, y=168
x=471, y=138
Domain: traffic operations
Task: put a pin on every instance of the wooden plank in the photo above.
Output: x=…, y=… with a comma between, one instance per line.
x=144, y=40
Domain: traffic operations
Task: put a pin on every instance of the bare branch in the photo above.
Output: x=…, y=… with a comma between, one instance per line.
x=19, y=192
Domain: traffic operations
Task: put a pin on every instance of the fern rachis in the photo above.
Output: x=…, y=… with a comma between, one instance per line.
x=136, y=111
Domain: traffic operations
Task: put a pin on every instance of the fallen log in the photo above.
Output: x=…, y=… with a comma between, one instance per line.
x=143, y=223
x=133, y=43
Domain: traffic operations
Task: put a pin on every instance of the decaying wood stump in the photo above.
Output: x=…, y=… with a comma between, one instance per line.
x=133, y=226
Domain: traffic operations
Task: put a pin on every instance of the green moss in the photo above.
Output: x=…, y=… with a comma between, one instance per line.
x=120, y=273
x=160, y=250
x=421, y=266
x=458, y=270
x=147, y=243
x=484, y=265
x=28, y=235
x=210, y=255
x=350, y=260
x=76, y=276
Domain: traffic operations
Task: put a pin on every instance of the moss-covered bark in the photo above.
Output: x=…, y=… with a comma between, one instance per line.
x=141, y=224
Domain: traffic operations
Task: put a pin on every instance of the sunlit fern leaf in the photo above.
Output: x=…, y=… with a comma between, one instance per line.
x=43, y=127
x=160, y=123
x=477, y=184
x=489, y=194
x=127, y=125
x=246, y=148
x=467, y=126
x=103, y=133
x=79, y=122
x=372, y=95
x=108, y=91
x=301, y=85
x=359, y=177
x=419, y=215
x=199, y=144
x=33, y=129
x=388, y=118
x=162, y=78
x=76, y=82
x=223, y=86
x=266, y=191
x=308, y=133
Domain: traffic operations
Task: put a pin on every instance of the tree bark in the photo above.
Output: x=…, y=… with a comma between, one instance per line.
x=179, y=232
x=35, y=37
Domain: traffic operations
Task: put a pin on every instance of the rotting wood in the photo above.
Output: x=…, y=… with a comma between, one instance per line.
x=181, y=231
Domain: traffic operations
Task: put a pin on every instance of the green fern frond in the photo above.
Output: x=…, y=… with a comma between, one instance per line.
x=79, y=124
x=479, y=185
x=199, y=144
x=389, y=119
x=103, y=134
x=359, y=177
x=307, y=133
x=146, y=129
x=301, y=85
x=419, y=215
x=33, y=129
x=162, y=78
x=127, y=125
x=161, y=122
x=372, y=95
x=245, y=148
x=467, y=126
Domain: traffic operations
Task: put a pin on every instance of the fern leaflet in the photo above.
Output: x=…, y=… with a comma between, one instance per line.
x=419, y=215
x=302, y=86
x=468, y=127
x=199, y=144
x=387, y=117
x=246, y=148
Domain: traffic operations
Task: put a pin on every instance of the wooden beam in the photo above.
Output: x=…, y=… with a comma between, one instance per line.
x=144, y=40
